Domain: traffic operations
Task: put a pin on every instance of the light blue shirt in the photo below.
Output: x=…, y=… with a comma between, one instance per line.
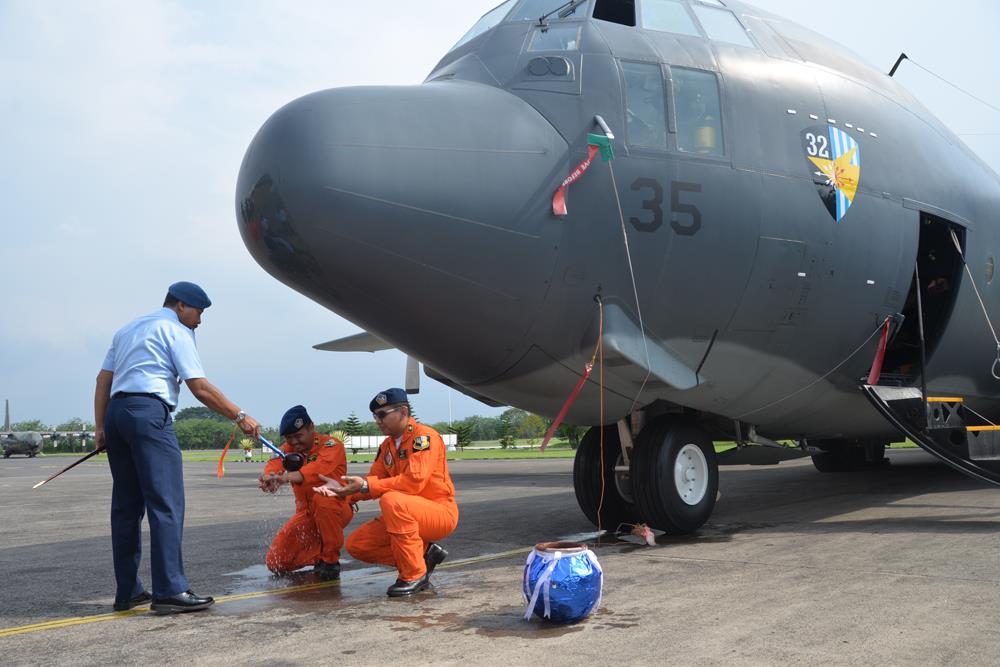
x=152, y=354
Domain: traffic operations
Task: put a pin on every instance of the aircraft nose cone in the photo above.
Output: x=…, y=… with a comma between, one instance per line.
x=420, y=213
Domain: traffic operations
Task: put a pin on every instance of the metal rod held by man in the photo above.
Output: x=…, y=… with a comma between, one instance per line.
x=71, y=465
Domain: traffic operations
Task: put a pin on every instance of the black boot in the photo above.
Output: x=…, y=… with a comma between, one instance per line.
x=403, y=588
x=327, y=571
x=434, y=556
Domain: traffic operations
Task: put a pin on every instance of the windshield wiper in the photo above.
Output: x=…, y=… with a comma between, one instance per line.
x=564, y=10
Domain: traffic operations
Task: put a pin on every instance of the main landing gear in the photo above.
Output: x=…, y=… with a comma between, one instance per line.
x=670, y=482
x=848, y=455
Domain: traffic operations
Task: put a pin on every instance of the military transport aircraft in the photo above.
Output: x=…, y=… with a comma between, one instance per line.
x=777, y=248
x=29, y=443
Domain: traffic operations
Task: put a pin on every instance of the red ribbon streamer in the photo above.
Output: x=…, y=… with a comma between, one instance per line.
x=559, y=198
x=876, y=370
x=565, y=408
x=222, y=459
x=579, y=385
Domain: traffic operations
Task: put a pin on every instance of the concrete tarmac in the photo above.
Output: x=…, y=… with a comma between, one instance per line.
x=896, y=566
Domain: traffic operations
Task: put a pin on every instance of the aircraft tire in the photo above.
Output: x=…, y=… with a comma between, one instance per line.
x=617, y=506
x=675, y=476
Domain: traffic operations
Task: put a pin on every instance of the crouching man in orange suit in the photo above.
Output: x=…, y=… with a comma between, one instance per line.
x=315, y=533
x=410, y=479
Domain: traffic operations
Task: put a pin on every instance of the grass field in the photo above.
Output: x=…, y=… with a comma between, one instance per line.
x=482, y=450
x=489, y=449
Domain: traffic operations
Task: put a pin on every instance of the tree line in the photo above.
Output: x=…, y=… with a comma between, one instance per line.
x=200, y=428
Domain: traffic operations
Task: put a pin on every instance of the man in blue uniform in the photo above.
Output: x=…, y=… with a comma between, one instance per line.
x=137, y=389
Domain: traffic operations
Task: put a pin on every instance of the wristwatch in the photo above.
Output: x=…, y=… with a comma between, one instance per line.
x=364, y=486
x=240, y=416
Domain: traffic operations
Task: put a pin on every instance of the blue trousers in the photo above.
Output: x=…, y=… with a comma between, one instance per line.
x=148, y=476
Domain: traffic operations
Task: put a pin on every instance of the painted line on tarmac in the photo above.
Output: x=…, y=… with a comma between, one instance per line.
x=116, y=615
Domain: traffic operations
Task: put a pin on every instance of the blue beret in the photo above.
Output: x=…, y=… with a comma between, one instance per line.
x=190, y=294
x=293, y=420
x=388, y=397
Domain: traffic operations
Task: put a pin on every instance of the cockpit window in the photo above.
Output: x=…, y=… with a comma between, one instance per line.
x=615, y=11
x=556, y=38
x=646, y=120
x=489, y=20
x=698, y=111
x=667, y=16
x=722, y=26
x=532, y=10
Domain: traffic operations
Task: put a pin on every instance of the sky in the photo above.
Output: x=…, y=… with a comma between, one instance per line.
x=124, y=124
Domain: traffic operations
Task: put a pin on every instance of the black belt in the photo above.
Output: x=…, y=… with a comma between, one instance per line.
x=126, y=394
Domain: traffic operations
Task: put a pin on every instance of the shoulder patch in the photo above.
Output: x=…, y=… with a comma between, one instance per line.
x=330, y=443
x=421, y=442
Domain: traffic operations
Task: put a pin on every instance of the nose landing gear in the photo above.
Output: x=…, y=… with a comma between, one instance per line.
x=671, y=483
x=675, y=476
x=617, y=506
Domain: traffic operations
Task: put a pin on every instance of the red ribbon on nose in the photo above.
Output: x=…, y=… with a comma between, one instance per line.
x=559, y=198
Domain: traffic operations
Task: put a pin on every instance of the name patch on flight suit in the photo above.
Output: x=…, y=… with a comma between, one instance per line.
x=401, y=453
x=312, y=457
x=421, y=443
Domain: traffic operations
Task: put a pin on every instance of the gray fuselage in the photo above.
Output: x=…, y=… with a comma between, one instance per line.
x=423, y=214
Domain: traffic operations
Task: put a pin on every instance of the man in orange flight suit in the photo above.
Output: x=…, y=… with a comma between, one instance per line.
x=410, y=479
x=315, y=533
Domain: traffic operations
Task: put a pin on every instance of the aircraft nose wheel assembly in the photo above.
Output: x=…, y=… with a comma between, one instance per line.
x=671, y=483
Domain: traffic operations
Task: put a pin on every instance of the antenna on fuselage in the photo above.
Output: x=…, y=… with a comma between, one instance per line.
x=903, y=56
x=899, y=61
x=6, y=414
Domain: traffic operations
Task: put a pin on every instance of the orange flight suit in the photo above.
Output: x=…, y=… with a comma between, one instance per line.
x=417, y=499
x=316, y=530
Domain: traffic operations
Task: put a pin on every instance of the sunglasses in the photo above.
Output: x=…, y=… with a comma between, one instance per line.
x=382, y=414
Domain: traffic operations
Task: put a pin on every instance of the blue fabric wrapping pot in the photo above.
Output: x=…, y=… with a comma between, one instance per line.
x=563, y=582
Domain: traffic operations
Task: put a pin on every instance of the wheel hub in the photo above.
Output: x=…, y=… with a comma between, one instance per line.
x=691, y=474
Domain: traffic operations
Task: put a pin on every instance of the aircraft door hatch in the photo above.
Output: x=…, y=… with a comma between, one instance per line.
x=939, y=270
x=941, y=425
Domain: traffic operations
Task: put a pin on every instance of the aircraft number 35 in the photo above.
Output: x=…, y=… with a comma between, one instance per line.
x=686, y=220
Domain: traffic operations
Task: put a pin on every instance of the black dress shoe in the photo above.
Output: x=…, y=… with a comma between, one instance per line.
x=327, y=571
x=402, y=588
x=125, y=605
x=434, y=556
x=180, y=603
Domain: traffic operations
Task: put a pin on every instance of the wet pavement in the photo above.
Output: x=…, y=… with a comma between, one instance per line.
x=900, y=566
